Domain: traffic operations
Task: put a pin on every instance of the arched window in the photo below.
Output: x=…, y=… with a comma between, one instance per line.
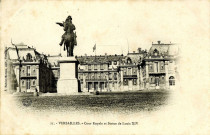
x=171, y=80
x=155, y=52
x=129, y=60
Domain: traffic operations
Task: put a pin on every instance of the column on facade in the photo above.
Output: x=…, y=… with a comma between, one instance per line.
x=107, y=76
x=147, y=75
x=121, y=87
x=99, y=88
x=138, y=79
x=18, y=72
x=141, y=79
x=37, y=78
x=93, y=86
x=84, y=82
x=167, y=77
x=118, y=80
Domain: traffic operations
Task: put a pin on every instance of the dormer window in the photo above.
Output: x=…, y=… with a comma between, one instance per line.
x=28, y=57
x=129, y=61
x=155, y=52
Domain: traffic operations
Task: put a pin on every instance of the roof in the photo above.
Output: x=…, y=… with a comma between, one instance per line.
x=163, y=49
x=99, y=59
x=53, y=60
x=135, y=58
x=22, y=53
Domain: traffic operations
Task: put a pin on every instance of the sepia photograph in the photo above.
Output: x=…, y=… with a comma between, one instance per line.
x=105, y=67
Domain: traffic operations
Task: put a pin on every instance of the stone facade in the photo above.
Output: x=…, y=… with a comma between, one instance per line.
x=159, y=69
x=155, y=69
x=99, y=72
x=28, y=69
x=111, y=72
x=130, y=71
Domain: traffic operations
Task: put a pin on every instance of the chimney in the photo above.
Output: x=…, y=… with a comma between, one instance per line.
x=105, y=53
x=133, y=51
x=139, y=50
x=158, y=42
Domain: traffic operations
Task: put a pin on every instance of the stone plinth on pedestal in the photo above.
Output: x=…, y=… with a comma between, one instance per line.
x=68, y=82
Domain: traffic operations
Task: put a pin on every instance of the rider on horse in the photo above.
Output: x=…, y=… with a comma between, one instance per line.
x=69, y=37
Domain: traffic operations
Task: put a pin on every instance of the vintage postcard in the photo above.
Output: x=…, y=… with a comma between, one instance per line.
x=105, y=67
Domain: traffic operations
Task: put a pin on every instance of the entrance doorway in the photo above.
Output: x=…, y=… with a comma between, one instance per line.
x=95, y=86
x=28, y=85
x=157, y=82
x=102, y=86
x=89, y=86
x=130, y=84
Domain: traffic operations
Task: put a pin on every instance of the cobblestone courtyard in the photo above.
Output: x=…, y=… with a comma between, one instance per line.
x=110, y=101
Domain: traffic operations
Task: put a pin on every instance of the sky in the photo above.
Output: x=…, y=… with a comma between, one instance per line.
x=112, y=26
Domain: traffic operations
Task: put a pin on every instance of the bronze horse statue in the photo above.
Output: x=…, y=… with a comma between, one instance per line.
x=69, y=37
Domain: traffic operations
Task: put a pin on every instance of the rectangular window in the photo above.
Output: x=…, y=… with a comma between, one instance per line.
x=134, y=81
x=150, y=67
x=95, y=67
x=101, y=66
x=34, y=82
x=81, y=76
x=99, y=75
x=125, y=71
x=152, y=80
x=115, y=76
x=162, y=67
x=34, y=71
x=23, y=83
x=28, y=70
x=28, y=84
x=95, y=75
x=134, y=71
x=129, y=71
x=156, y=66
x=125, y=81
x=110, y=76
x=92, y=76
x=89, y=67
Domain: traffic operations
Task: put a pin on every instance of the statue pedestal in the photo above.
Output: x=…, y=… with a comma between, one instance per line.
x=68, y=82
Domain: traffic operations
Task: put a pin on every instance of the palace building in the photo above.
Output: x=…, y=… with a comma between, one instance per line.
x=99, y=72
x=26, y=70
x=159, y=68
x=130, y=72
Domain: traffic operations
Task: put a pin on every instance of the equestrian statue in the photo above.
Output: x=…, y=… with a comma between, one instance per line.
x=69, y=37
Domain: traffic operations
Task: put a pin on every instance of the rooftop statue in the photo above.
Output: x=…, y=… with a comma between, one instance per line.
x=69, y=37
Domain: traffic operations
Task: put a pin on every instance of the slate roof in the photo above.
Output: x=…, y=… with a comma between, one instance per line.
x=99, y=59
x=164, y=49
x=23, y=51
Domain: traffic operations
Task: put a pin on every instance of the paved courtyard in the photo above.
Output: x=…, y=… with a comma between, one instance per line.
x=110, y=101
